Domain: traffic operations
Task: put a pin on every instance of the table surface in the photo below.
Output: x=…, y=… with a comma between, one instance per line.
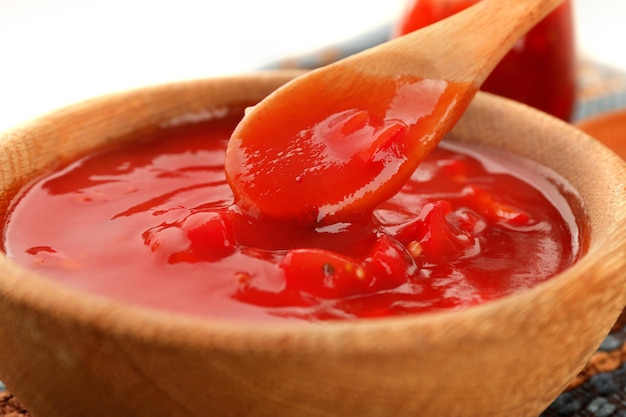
x=57, y=52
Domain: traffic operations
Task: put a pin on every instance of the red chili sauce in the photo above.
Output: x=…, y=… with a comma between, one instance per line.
x=152, y=223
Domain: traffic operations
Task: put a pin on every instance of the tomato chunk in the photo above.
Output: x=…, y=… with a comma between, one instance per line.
x=494, y=208
x=210, y=235
x=439, y=241
x=328, y=274
x=203, y=237
x=324, y=273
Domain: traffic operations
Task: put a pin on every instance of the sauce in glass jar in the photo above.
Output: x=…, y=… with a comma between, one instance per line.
x=538, y=71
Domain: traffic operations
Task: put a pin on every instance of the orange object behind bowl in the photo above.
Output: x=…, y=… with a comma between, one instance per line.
x=608, y=128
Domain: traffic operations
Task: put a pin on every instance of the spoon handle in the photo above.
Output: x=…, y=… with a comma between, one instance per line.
x=452, y=48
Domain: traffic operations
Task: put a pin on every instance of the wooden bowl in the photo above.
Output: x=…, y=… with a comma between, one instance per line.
x=608, y=128
x=64, y=353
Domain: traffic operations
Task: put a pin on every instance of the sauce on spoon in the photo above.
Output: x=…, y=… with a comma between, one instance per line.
x=342, y=157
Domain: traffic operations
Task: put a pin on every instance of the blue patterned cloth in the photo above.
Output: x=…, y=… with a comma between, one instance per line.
x=603, y=392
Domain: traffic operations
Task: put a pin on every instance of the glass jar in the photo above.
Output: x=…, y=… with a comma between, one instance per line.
x=540, y=70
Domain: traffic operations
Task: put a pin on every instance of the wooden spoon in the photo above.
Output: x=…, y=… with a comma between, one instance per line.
x=337, y=141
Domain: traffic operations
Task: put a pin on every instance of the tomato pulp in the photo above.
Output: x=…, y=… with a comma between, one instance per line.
x=540, y=70
x=153, y=224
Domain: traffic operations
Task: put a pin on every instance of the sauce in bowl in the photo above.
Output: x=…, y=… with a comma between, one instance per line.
x=153, y=223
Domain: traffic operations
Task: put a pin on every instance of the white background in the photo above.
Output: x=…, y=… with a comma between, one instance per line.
x=56, y=52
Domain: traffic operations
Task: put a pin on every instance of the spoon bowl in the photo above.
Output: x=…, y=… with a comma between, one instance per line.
x=66, y=353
